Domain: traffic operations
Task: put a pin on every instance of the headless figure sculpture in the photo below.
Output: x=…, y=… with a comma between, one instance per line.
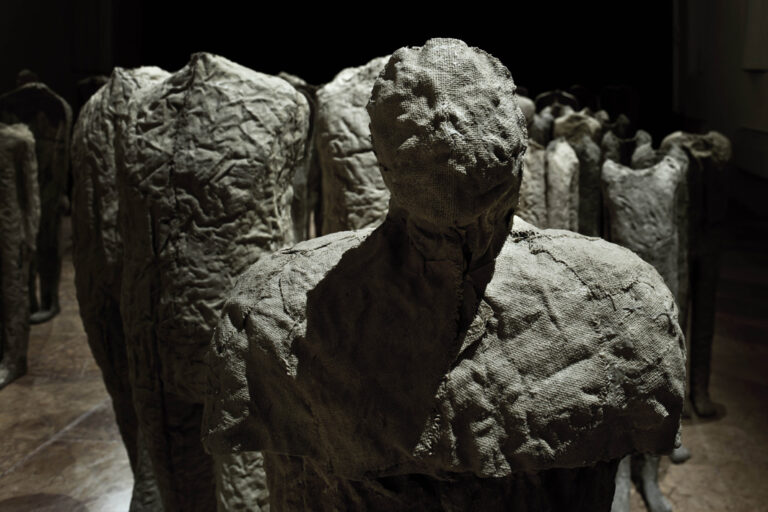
x=642, y=212
x=49, y=117
x=19, y=221
x=448, y=359
x=97, y=254
x=708, y=156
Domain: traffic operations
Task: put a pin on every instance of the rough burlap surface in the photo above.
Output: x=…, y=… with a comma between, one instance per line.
x=97, y=253
x=708, y=158
x=205, y=166
x=642, y=213
x=353, y=192
x=446, y=345
x=574, y=356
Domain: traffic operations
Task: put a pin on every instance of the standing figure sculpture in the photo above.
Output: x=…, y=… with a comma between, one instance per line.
x=19, y=221
x=49, y=117
x=642, y=212
x=353, y=194
x=204, y=171
x=456, y=357
x=97, y=253
x=581, y=131
x=708, y=156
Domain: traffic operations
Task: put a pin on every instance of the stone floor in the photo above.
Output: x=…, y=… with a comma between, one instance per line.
x=61, y=450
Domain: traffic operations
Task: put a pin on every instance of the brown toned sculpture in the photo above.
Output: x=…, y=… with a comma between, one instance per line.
x=49, y=117
x=353, y=194
x=19, y=221
x=205, y=166
x=452, y=358
x=97, y=253
x=709, y=155
x=532, y=206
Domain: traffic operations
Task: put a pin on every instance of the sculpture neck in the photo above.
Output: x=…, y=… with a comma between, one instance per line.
x=470, y=247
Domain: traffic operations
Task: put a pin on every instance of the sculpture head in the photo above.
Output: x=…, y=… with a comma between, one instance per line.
x=448, y=133
x=26, y=76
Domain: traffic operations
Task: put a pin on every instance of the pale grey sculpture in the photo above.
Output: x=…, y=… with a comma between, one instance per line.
x=709, y=155
x=643, y=212
x=549, y=196
x=353, y=194
x=205, y=166
x=49, y=117
x=97, y=253
x=563, y=178
x=582, y=131
x=549, y=189
x=447, y=359
x=19, y=222
x=532, y=206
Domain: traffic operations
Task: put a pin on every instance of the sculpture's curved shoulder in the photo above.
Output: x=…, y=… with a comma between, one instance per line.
x=575, y=355
x=280, y=282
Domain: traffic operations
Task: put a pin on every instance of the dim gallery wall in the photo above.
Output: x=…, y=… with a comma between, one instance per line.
x=721, y=74
x=685, y=59
x=545, y=47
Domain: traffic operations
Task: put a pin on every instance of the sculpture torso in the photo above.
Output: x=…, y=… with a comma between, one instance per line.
x=446, y=360
x=564, y=340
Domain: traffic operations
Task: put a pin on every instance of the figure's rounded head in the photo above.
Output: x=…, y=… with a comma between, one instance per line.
x=448, y=132
x=26, y=76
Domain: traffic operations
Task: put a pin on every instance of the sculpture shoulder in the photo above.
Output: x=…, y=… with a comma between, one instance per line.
x=262, y=316
x=575, y=353
x=532, y=254
x=287, y=275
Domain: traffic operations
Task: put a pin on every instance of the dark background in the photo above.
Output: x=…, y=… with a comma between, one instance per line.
x=684, y=60
x=544, y=46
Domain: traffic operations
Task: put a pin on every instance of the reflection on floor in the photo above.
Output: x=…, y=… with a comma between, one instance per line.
x=61, y=450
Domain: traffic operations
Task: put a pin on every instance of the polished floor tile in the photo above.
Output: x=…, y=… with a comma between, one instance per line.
x=59, y=444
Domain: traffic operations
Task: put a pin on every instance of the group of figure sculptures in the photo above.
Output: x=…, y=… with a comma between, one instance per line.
x=395, y=291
